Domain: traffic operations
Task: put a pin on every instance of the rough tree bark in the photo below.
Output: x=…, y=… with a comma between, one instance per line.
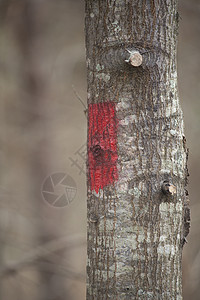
x=138, y=213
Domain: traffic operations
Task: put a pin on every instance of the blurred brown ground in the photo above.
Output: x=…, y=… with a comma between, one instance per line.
x=42, y=125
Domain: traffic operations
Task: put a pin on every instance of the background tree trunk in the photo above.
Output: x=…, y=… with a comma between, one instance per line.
x=33, y=120
x=135, y=222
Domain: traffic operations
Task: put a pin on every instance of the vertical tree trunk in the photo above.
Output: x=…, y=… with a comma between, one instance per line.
x=137, y=156
x=26, y=24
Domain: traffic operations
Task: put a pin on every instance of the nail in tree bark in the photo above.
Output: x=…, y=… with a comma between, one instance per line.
x=138, y=215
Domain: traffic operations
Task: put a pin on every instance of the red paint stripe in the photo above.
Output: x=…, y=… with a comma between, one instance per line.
x=102, y=145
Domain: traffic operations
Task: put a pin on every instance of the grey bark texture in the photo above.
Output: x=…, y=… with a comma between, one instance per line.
x=136, y=226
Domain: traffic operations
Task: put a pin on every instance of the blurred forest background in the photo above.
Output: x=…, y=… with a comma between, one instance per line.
x=43, y=136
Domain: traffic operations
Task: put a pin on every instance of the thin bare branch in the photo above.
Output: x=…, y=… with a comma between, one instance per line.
x=79, y=98
x=42, y=251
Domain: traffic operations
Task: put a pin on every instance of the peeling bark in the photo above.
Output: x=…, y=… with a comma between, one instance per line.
x=135, y=243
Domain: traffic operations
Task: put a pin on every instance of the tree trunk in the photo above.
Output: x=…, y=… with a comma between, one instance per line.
x=31, y=121
x=137, y=157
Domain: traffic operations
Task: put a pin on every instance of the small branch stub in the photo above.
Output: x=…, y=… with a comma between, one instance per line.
x=94, y=218
x=135, y=58
x=168, y=188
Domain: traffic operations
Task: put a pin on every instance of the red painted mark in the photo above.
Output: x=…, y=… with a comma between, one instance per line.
x=102, y=145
